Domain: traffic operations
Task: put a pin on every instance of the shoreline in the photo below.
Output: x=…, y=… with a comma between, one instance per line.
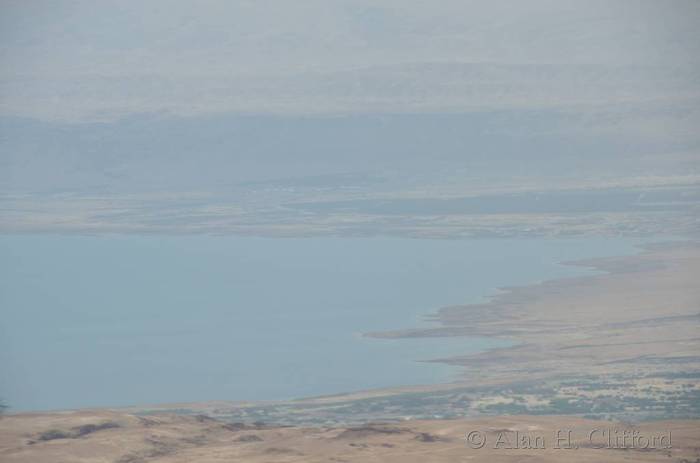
x=631, y=327
x=616, y=325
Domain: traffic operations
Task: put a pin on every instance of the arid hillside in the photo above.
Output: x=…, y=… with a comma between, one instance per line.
x=104, y=436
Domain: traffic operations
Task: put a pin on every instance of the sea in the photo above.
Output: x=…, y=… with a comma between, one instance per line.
x=122, y=320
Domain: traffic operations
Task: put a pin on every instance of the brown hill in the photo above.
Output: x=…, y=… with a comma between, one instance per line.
x=107, y=436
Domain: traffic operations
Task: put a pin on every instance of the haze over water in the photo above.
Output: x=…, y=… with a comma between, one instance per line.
x=121, y=320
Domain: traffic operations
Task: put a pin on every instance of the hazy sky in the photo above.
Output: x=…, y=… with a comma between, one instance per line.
x=87, y=60
x=381, y=97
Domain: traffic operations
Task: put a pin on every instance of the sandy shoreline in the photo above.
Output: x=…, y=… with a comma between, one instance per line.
x=642, y=309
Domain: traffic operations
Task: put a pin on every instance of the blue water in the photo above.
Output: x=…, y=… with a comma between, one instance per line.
x=122, y=320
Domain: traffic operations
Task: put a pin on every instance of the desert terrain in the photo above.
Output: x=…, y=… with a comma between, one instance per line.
x=642, y=311
x=102, y=436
